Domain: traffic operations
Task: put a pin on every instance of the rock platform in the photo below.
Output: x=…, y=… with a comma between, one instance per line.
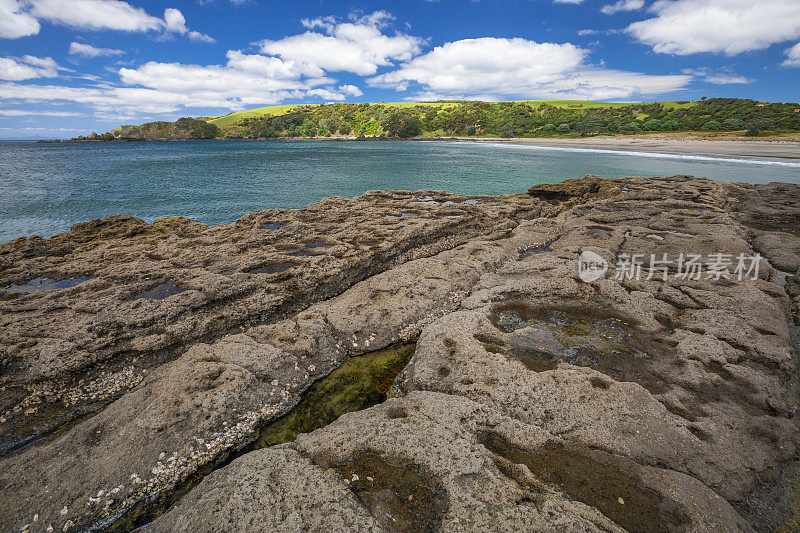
x=135, y=382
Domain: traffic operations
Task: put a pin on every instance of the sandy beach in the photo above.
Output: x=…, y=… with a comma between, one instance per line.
x=755, y=149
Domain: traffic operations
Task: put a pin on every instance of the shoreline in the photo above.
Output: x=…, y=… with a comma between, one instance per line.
x=617, y=151
x=754, y=149
x=770, y=149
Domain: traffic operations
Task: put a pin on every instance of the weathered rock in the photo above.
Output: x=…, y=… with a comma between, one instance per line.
x=434, y=461
x=143, y=294
x=574, y=190
x=534, y=400
x=783, y=249
x=770, y=206
x=210, y=400
x=275, y=489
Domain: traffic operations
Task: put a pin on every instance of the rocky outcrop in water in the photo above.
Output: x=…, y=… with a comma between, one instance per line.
x=163, y=375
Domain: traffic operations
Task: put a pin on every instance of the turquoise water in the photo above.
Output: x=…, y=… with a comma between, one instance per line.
x=45, y=188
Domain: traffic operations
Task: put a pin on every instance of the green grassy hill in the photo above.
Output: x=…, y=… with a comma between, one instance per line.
x=233, y=118
x=278, y=110
x=523, y=118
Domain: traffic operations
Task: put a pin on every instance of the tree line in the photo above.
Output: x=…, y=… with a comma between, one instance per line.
x=521, y=119
x=483, y=119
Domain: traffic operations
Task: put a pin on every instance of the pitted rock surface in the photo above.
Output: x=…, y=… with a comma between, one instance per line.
x=534, y=400
x=154, y=290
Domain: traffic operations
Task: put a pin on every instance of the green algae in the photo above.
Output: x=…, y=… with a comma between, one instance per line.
x=574, y=330
x=360, y=382
x=591, y=338
x=791, y=522
x=596, y=478
x=400, y=495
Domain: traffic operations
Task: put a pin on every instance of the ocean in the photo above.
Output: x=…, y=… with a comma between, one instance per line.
x=45, y=188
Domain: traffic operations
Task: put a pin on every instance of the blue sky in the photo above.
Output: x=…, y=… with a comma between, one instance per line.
x=74, y=66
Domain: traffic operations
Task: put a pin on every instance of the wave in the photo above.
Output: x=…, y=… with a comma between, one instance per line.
x=657, y=155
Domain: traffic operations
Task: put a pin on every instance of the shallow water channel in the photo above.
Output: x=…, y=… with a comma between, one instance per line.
x=362, y=381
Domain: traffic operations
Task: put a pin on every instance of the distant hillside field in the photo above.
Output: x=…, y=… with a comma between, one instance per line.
x=523, y=118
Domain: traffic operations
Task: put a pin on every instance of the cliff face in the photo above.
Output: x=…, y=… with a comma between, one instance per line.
x=534, y=399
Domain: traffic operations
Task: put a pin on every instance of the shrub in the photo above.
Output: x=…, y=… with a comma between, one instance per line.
x=653, y=125
x=733, y=124
x=712, y=125
x=563, y=128
x=549, y=128
x=412, y=127
x=758, y=125
x=630, y=127
x=402, y=124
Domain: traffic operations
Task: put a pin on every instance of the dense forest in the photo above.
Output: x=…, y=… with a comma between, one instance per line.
x=482, y=119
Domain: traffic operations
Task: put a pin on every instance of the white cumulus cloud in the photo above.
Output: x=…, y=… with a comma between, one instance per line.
x=222, y=81
x=27, y=67
x=272, y=67
x=245, y=80
x=685, y=27
x=14, y=22
x=211, y=87
x=493, y=69
x=95, y=15
x=360, y=46
x=87, y=50
x=350, y=90
x=21, y=18
x=175, y=23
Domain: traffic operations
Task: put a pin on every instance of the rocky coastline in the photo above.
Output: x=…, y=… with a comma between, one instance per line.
x=408, y=361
